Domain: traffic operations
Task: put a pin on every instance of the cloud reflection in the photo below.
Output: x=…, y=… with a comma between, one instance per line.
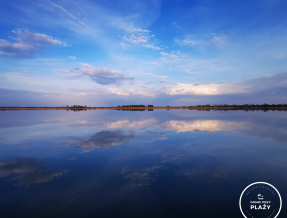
x=204, y=125
x=271, y=125
x=29, y=171
x=127, y=123
x=256, y=128
x=183, y=126
x=216, y=173
x=136, y=179
x=103, y=139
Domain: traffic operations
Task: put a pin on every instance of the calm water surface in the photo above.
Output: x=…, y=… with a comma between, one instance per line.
x=106, y=163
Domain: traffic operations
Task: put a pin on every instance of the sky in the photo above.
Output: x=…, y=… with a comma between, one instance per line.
x=115, y=52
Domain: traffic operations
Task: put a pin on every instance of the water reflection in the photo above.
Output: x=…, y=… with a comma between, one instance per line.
x=103, y=139
x=204, y=125
x=212, y=174
x=127, y=123
x=137, y=164
x=28, y=171
x=136, y=179
x=270, y=125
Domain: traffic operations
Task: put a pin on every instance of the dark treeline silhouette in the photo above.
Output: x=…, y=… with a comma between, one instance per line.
x=234, y=107
x=237, y=109
x=134, y=106
x=206, y=107
x=76, y=109
x=134, y=109
x=76, y=106
x=242, y=105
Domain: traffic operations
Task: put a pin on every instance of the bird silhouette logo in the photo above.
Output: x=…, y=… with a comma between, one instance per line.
x=260, y=197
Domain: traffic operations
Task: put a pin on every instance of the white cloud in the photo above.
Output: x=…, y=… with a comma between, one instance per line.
x=119, y=91
x=175, y=25
x=72, y=57
x=154, y=63
x=156, y=81
x=126, y=92
x=123, y=45
x=82, y=94
x=27, y=44
x=137, y=36
x=264, y=84
x=219, y=41
x=65, y=44
x=98, y=22
x=129, y=27
x=156, y=76
x=204, y=89
x=136, y=39
x=27, y=37
x=103, y=76
x=152, y=47
x=51, y=6
x=187, y=42
x=171, y=55
x=183, y=62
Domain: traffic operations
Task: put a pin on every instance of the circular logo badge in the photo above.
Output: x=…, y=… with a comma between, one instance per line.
x=261, y=200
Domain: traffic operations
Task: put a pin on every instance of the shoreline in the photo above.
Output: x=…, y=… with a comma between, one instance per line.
x=269, y=107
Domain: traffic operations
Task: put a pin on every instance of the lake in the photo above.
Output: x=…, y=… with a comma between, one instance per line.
x=108, y=163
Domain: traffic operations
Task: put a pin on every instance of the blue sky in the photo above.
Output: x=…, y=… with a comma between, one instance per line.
x=105, y=53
